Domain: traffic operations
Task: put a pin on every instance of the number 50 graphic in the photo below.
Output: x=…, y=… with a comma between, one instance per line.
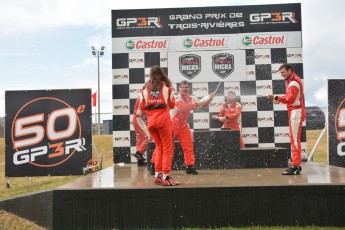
x=28, y=133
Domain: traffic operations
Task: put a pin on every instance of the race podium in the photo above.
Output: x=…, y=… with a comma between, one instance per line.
x=220, y=149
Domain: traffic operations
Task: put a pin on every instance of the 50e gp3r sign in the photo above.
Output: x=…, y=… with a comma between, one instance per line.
x=47, y=132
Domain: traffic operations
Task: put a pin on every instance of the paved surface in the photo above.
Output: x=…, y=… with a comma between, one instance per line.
x=130, y=176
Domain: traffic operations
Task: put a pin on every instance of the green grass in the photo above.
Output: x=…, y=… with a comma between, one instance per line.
x=320, y=155
x=10, y=221
x=22, y=185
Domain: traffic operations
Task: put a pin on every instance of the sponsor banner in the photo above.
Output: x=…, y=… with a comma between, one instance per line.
x=250, y=135
x=294, y=55
x=141, y=44
x=265, y=119
x=205, y=20
x=177, y=43
x=336, y=122
x=262, y=56
x=135, y=90
x=200, y=89
x=203, y=42
x=48, y=132
x=121, y=139
x=201, y=121
x=249, y=103
x=120, y=106
x=136, y=60
x=208, y=42
x=269, y=40
x=207, y=66
x=281, y=135
x=264, y=87
x=120, y=76
x=137, y=45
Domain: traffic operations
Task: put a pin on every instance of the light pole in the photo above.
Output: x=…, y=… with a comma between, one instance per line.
x=98, y=54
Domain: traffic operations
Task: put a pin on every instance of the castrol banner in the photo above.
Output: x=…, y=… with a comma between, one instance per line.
x=269, y=40
x=48, y=132
x=208, y=42
x=207, y=66
x=336, y=122
x=181, y=43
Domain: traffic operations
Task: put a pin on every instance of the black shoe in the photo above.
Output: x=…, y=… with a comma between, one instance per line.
x=191, y=170
x=152, y=169
x=141, y=163
x=139, y=156
x=293, y=170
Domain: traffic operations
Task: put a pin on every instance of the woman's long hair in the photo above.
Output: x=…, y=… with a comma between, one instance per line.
x=157, y=75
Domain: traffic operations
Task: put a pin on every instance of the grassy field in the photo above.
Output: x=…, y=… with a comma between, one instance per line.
x=104, y=144
x=320, y=155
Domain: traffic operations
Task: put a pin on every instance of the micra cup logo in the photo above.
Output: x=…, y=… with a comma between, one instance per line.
x=223, y=64
x=190, y=65
x=46, y=139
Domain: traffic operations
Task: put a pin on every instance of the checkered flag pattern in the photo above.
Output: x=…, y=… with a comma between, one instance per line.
x=264, y=124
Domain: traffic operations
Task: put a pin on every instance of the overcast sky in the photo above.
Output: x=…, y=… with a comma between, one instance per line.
x=46, y=44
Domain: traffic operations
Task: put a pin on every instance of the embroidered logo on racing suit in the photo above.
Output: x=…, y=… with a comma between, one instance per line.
x=154, y=94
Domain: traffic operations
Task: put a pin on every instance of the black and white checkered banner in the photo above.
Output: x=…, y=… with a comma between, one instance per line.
x=241, y=47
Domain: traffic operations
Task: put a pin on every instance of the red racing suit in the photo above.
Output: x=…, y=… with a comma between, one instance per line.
x=159, y=124
x=232, y=113
x=294, y=100
x=140, y=128
x=179, y=118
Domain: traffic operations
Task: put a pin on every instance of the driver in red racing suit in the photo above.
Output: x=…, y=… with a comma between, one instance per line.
x=230, y=113
x=158, y=96
x=294, y=100
x=184, y=103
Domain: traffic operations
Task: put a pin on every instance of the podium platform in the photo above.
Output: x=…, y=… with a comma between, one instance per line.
x=125, y=196
x=221, y=150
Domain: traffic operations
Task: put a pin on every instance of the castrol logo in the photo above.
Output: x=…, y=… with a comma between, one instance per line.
x=201, y=43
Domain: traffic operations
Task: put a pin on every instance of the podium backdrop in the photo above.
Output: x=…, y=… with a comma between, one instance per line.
x=241, y=47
